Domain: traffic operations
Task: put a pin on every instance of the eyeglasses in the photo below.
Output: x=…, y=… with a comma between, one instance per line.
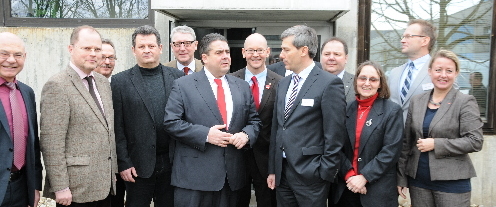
x=410, y=36
x=17, y=56
x=111, y=59
x=371, y=80
x=251, y=51
x=90, y=49
x=185, y=43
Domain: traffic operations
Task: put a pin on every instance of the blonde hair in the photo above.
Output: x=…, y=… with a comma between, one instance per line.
x=446, y=54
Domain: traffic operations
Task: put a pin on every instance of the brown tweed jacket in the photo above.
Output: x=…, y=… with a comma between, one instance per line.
x=77, y=142
x=198, y=64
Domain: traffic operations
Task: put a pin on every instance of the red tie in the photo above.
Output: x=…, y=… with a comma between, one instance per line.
x=254, y=91
x=186, y=70
x=221, y=100
x=18, y=125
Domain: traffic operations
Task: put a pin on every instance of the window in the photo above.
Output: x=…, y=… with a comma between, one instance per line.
x=464, y=27
x=61, y=13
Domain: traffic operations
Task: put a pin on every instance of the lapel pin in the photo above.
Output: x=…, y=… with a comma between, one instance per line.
x=369, y=122
x=268, y=86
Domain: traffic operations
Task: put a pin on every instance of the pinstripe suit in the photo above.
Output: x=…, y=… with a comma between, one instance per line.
x=77, y=141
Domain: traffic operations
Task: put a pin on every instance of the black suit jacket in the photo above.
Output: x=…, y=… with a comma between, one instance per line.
x=199, y=165
x=280, y=69
x=380, y=148
x=135, y=128
x=33, y=165
x=313, y=134
x=265, y=111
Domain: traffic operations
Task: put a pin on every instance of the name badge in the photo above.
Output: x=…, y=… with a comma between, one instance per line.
x=307, y=102
x=427, y=86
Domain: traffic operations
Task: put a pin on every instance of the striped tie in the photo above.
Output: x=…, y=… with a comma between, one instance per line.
x=18, y=128
x=406, y=84
x=296, y=80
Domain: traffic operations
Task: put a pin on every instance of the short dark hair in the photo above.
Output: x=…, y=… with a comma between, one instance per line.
x=303, y=36
x=384, y=88
x=207, y=40
x=337, y=39
x=145, y=30
x=427, y=29
x=477, y=75
x=77, y=30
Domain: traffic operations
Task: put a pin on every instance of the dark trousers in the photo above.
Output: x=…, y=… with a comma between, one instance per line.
x=118, y=198
x=101, y=203
x=156, y=187
x=17, y=193
x=349, y=199
x=264, y=195
x=292, y=192
x=195, y=198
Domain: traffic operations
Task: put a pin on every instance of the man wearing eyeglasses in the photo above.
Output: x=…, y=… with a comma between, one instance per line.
x=140, y=95
x=184, y=45
x=77, y=128
x=412, y=78
x=108, y=59
x=263, y=84
x=20, y=177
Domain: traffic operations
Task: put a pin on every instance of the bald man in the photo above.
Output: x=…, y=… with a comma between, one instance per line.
x=20, y=177
x=263, y=84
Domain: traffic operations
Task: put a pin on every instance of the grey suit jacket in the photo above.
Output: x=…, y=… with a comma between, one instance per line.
x=313, y=134
x=280, y=68
x=33, y=165
x=395, y=82
x=77, y=141
x=135, y=124
x=457, y=130
x=199, y=165
x=380, y=148
x=349, y=89
x=265, y=111
x=198, y=64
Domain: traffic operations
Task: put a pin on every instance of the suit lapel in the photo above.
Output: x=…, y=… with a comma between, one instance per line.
x=346, y=81
x=237, y=99
x=373, y=118
x=312, y=77
x=205, y=90
x=198, y=65
x=351, y=114
x=450, y=97
x=27, y=101
x=5, y=121
x=422, y=74
x=268, y=90
x=137, y=81
x=282, y=89
x=77, y=82
x=420, y=106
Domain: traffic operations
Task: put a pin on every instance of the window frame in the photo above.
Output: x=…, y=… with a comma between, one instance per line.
x=363, y=54
x=9, y=21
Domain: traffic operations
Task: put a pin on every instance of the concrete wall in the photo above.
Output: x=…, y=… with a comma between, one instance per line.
x=484, y=185
x=346, y=28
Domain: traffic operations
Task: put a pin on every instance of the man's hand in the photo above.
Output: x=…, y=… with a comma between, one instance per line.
x=217, y=137
x=425, y=145
x=127, y=175
x=271, y=181
x=36, y=198
x=402, y=191
x=63, y=197
x=357, y=184
x=239, y=140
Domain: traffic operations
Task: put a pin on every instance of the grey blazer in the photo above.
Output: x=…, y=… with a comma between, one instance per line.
x=457, y=130
x=349, y=90
x=199, y=165
x=313, y=134
x=395, y=82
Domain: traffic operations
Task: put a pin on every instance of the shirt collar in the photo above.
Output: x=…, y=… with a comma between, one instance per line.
x=341, y=74
x=191, y=65
x=3, y=81
x=419, y=62
x=81, y=74
x=248, y=74
x=211, y=77
x=305, y=72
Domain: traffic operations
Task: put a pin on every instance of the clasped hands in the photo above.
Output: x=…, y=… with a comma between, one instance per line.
x=425, y=145
x=356, y=184
x=222, y=139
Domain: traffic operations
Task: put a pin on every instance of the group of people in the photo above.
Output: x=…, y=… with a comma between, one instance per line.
x=304, y=133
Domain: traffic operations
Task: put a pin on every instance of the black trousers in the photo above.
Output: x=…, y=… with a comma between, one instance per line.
x=349, y=199
x=156, y=187
x=118, y=198
x=195, y=198
x=265, y=196
x=16, y=194
x=101, y=203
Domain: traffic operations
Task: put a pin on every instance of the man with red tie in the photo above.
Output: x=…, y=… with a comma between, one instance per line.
x=263, y=84
x=20, y=164
x=208, y=161
x=184, y=45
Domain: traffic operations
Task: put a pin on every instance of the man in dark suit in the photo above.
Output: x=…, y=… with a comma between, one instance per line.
x=307, y=127
x=20, y=177
x=333, y=58
x=263, y=84
x=281, y=70
x=208, y=165
x=140, y=95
